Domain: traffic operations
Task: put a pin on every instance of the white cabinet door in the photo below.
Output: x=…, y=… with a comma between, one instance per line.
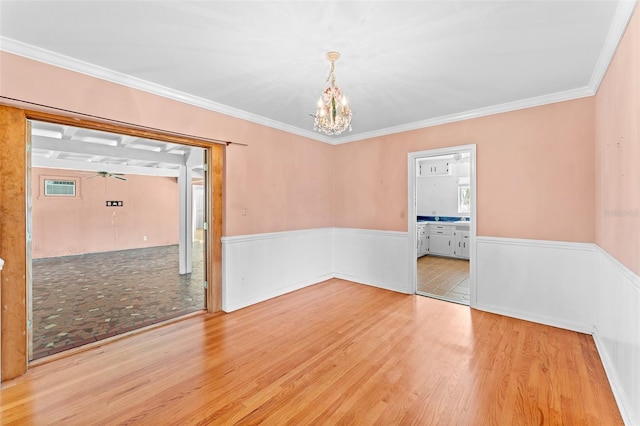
x=465, y=240
x=424, y=237
x=441, y=239
x=441, y=244
x=432, y=168
x=457, y=243
x=422, y=241
x=461, y=244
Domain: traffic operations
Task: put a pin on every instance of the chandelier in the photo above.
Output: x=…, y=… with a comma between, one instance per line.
x=333, y=116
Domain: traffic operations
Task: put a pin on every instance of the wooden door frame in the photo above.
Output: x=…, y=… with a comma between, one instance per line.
x=14, y=166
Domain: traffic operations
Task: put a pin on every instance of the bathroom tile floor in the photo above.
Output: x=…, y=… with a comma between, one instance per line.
x=443, y=277
x=81, y=299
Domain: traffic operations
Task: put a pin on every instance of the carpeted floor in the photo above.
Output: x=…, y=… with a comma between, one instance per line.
x=444, y=277
x=84, y=298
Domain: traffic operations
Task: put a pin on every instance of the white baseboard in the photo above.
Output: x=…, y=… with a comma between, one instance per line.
x=540, y=319
x=376, y=258
x=262, y=266
x=617, y=331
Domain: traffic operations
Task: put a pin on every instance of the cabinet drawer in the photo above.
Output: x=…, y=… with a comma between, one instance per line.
x=441, y=229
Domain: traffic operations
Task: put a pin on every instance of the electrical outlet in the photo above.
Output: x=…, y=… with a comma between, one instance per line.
x=243, y=282
x=144, y=238
x=244, y=211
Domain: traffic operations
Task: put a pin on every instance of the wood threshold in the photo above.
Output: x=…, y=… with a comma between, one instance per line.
x=332, y=353
x=443, y=298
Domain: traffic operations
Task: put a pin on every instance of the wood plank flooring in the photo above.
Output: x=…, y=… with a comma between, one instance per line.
x=333, y=353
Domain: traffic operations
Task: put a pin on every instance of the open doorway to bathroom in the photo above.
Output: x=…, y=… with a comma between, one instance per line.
x=442, y=222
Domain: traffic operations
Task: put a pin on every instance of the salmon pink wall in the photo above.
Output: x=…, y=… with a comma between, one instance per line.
x=617, y=142
x=84, y=224
x=284, y=181
x=533, y=164
x=280, y=183
x=535, y=173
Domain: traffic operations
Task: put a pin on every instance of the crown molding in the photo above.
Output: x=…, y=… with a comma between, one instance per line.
x=621, y=20
x=62, y=61
x=476, y=113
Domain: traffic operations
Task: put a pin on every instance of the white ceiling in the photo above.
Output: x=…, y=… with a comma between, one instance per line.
x=404, y=65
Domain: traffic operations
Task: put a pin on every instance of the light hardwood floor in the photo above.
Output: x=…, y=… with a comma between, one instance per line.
x=332, y=353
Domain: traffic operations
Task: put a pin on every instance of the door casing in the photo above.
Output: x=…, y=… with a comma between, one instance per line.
x=14, y=173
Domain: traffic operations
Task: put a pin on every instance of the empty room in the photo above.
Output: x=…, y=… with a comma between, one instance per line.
x=383, y=212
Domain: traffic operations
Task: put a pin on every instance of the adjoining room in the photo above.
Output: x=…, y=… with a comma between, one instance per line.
x=443, y=197
x=117, y=234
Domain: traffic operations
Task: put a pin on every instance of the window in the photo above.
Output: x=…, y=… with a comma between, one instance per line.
x=464, y=199
x=59, y=188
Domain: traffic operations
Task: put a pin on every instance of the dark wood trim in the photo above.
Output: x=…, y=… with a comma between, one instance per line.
x=13, y=166
x=13, y=179
x=216, y=173
x=118, y=128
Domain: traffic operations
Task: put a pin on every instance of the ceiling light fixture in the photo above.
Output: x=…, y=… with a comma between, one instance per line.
x=333, y=116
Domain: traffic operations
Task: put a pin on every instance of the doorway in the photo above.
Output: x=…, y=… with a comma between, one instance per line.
x=118, y=230
x=442, y=225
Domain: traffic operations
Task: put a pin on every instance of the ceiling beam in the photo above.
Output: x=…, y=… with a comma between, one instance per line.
x=77, y=147
x=56, y=163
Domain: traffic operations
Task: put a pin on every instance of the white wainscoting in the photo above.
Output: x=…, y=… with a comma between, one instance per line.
x=376, y=258
x=617, y=331
x=261, y=266
x=542, y=281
